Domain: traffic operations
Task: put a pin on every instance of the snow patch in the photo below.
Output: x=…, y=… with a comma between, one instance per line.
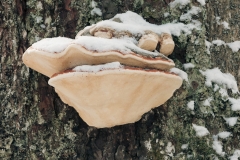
x=235, y=104
x=218, y=20
x=217, y=146
x=170, y=149
x=166, y=14
x=200, y=130
x=216, y=76
x=52, y=45
x=235, y=155
x=135, y=24
x=39, y=5
x=27, y=124
x=184, y=146
x=223, y=93
x=216, y=87
x=125, y=46
x=235, y=46
x=95, y=10
x=188, y=16
x=180, y=72
x=197, y=24
x=225, y=25
x=202, y=2
x=42, y=26
x=187, y=66
x=207, y=101
x=224, y=134
x=190, y=105
x=208, y=45
x=48, y=20
x=148, y=145
x=39, y=19
x=218, y=42
x=97, y=68
x=231, y=121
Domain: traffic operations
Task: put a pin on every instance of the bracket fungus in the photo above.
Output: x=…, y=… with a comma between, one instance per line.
x=109, y=73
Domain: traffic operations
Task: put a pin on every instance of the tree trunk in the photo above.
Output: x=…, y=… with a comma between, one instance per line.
x=36, y=124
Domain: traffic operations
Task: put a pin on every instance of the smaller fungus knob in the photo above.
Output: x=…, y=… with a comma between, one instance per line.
x=166, y=44
x=148, y=41
x=102, y=32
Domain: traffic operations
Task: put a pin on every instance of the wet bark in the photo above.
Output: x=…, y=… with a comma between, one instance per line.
x=36, y=124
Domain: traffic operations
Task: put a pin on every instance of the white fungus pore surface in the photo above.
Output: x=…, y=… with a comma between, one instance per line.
x=97, y=68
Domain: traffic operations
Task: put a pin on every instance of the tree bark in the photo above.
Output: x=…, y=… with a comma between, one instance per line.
x=36, y=124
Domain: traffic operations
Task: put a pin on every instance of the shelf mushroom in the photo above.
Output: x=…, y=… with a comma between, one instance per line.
x=105, y=73
x=113, y=94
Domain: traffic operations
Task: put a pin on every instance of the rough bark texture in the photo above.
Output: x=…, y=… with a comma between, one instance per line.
x=36, y=124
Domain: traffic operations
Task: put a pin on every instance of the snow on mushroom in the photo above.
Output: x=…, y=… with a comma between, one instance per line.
x=48, y=58
x=111, y=76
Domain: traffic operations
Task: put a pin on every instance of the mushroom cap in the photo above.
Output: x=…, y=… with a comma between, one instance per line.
x=148, y=42
x=166, y=44
x=114, y=97
x=74, y=55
